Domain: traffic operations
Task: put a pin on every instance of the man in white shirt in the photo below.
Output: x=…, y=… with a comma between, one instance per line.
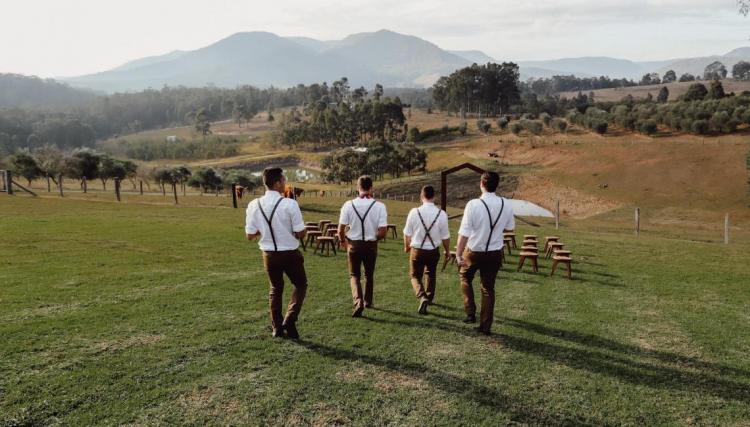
x=426, y=227
x=363, y=221
x=277, y=224
x=481, y=235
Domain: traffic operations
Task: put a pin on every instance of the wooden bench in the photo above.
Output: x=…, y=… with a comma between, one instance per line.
x=327, y=244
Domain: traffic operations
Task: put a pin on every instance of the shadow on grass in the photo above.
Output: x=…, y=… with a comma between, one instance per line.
x=483, y=395
x=604, y=356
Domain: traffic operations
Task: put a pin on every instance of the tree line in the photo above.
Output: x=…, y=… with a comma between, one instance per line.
x=488, y=89
x=376, y=158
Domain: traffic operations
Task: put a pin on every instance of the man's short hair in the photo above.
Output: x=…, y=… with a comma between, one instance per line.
x=428, y=192
x=271, y=176
x=490, y=180
x=365, y=182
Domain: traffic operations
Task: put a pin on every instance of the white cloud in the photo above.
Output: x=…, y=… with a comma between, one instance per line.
x=56, y=37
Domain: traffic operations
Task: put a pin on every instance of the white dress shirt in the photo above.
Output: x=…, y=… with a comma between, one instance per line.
x=286, y=221
x=476, y=222
x=376, y=218
x=432, y=216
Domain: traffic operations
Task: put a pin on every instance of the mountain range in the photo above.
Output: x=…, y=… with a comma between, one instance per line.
x=392, y=59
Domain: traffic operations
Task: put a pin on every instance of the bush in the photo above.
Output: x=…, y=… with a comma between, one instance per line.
x=462, y=128
x=413, y=135
x=516, y=128
x=700, y=127
x=533, y=126
x=546, y=119
x=502, y=123
x=560, y=125
x=719, y=120
x=483, y=126
x=599, y=126
x=648, y=127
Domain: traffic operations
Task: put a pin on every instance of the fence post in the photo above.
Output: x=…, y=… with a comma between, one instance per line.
x=726, y=229
x=60, y=184
x=9, y=182
x=637, y=221
x=117, y=188
x=141, y=184
x=557, y=216
x=234, y=195
x=85, y=185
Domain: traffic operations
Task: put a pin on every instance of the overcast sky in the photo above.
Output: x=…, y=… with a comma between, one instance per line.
x=72, y=37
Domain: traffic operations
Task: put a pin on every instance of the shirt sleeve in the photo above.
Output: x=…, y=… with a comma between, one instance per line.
x=445, y=232
x=383, y=220
x=344, y=216
x=511, y=223
x=298, y=223
x=409, y=227
x=467, y=227
x=250, y=226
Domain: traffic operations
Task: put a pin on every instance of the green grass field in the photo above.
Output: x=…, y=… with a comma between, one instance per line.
x=145, y=314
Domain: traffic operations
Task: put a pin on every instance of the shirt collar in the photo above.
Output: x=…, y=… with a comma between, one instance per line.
x=488, y=195
x=428, y=203
x=273, y=193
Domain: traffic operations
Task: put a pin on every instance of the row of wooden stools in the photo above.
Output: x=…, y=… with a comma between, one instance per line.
x=553, y=248
x=322, y=234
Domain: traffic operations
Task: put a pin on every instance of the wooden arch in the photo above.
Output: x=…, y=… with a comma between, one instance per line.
x=444, y=184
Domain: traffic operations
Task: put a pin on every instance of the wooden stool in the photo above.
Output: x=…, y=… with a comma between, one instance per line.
x=311, y=228
x=451, y=258
x=510, y=234
x=392, y=227
x=508, y=243
x=550, y=239
x=530, y=248
x=312, y=223
x=311, y=236
x=330, y=232
x=530, y=242
x=323, y=224
x=302, y=243
x=326, y=243
x=553, y=247
x=332, y=226
x=562, y=259
x=533, y=256
x=529, y=237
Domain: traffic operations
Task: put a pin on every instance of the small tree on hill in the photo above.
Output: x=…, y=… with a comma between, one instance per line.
x=687, y=77
x=715, y=71
x=663, y=95
x=650, y=79
x=669, y=77
x=24, y=164
x=741, y=70
x=716, y=90
x=696, y=92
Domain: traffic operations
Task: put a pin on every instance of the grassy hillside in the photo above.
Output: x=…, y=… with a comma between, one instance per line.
x=133, y=313
x=675, y=89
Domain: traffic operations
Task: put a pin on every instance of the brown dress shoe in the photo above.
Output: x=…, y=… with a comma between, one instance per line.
x=277, y=333
x=358, y=311
x=291, y=330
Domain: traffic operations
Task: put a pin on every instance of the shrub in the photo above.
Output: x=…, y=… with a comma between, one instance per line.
x=648, y=127
x=546, y=119
x=560, y=124
x=413, y=135
x=719, y=120
x=502, y=123
x=696, y=92
x=599, y=126
x=533, y=126
x=516, y=128
x=700, y=127
x=462, y=128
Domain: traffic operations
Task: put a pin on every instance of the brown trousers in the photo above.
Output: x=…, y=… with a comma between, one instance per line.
x=293, y=264
x=362, y=253
x=421, y=262
x=488, y=265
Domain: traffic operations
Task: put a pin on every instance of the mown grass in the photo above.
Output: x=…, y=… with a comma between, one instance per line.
x=143, y=314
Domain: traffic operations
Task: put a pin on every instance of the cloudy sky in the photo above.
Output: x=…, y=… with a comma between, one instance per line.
x=72, y=37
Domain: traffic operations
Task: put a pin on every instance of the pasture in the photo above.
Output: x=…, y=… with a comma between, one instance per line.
x=141, y=313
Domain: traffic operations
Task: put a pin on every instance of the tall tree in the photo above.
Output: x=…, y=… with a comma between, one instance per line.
x=715, y=71
x=669, y=77
x=741, y=70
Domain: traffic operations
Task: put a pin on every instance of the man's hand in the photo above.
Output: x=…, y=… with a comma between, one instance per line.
x=252, y=237
x=460, y=261
x=407, y=249
x=344, y=243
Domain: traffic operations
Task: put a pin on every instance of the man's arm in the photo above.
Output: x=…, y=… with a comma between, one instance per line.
x=298, y=224
x=447, y=246
x=462, y=240
x=251, y=230
x=342, y=236
x=407, y=243
x=254, y=236
x=382, y=223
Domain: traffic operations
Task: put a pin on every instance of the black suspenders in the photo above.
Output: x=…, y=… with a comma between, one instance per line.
x=362, y=217
x=492, y=224
x=427, y=229
x=269, y=219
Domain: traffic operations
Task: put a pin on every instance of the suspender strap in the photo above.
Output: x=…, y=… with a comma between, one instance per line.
x=492, y=224
x=269, y=219
x=427, y=229
x=362, y=217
